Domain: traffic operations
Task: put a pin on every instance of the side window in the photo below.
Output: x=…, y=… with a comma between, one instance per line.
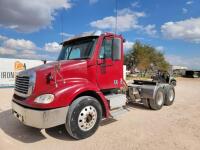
x=117, y=49
x=106, y=49
x=111, y=48
x=75, y=53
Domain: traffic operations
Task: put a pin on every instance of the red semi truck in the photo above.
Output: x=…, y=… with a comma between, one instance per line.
x=84, y=86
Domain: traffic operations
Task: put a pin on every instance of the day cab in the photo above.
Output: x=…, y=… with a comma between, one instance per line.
x=72, y=90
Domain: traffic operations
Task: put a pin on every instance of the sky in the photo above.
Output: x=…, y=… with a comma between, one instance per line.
x=34, y=29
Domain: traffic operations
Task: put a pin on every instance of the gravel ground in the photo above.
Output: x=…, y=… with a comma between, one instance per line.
x=174, y=127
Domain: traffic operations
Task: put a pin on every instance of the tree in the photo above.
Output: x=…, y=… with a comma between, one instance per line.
x=145, y=58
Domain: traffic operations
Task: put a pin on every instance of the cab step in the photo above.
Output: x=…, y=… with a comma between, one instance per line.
x=116, y=100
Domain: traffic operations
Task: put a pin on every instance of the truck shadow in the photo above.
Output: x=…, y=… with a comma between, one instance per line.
x=15, y=129
x=12, y=127
x=137, y=106
x=107, y=121
x=59, y=132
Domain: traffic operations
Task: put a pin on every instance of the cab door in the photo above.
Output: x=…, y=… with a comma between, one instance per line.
x=110, y=64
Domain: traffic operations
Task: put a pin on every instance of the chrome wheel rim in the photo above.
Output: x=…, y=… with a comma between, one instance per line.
x=87, y=118
x=171, y=95
x=160, y=98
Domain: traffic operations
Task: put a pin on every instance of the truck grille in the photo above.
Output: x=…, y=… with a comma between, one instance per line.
x=22, y=84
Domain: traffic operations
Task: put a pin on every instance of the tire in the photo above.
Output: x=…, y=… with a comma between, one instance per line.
x=169, y=96
x=145, y=102
x=173, y=83
x=158, y=101
x=83, y=117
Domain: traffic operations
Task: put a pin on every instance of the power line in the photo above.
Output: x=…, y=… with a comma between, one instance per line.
x=61, y=20
x=116, y=13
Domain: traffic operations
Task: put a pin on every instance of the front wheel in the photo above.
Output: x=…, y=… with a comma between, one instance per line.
x=83, y=117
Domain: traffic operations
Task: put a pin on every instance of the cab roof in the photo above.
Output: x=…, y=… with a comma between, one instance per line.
x=83, y=35
x=86, y=35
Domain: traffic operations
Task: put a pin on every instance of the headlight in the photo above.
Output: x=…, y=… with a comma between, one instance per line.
x=44, y=99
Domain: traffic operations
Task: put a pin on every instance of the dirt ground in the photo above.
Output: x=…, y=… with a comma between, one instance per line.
x=173, y=128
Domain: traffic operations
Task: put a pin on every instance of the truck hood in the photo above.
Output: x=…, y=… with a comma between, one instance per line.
x=69, y=70
x=63, y=64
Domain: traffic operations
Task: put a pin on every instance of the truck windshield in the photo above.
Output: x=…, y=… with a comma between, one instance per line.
x=78, y=49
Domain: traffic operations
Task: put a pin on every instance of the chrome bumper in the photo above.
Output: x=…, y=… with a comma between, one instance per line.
x=40, y=118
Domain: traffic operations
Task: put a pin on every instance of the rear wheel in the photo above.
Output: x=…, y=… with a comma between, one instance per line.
x=146, y=103
x=158, y=100
x=83, y=118
x=173, y=83
x=170, y=95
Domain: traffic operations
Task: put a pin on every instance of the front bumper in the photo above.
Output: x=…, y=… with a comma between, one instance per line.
x=40, y=118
